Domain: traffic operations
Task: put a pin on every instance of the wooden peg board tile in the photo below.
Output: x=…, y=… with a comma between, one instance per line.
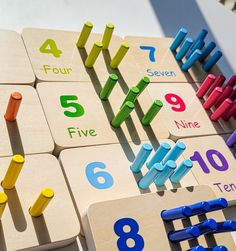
x=160, y=67
x=68, y=64
x=186, y=117
x=59, y=224
x=213, y=165
x=95, y=122
x=145, y=210
x=115, y=161
x=15, y=64
x=29, y=133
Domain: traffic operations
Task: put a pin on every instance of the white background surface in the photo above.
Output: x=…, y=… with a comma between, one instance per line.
x=131, y=17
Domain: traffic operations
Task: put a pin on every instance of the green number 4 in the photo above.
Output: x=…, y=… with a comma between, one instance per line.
x=49, y=46
x=66, y=102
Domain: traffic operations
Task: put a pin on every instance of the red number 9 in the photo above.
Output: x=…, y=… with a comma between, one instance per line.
x=176, y=101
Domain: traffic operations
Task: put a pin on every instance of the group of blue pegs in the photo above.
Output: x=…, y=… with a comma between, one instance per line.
x=162, y=165
x=208, y=226
x=194, y=50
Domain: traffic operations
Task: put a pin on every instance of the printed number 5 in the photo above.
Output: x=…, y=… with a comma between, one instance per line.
x=66, y=103
x=93, y=177
x=151, y=50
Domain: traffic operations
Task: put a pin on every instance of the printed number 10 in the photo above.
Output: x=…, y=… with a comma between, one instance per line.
x=223, y=166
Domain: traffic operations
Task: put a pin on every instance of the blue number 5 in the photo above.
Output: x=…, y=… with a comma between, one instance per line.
x=105, y=181
x=151, y=50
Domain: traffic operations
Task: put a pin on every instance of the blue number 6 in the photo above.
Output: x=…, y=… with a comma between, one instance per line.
x=93, y=177
x=151, y=50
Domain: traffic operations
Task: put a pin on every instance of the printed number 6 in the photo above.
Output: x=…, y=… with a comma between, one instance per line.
x=65, y=102
x=93, y=177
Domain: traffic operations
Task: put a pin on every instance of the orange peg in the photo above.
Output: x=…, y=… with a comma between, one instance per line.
x=13, y=106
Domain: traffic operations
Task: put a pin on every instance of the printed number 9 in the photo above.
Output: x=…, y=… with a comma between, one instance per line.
x=176, y=101
x=132, y=234
x=93, y=177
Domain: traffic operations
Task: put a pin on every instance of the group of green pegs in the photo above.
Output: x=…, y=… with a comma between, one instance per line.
x=98, y=46
x=129, y=101
x=162, y=165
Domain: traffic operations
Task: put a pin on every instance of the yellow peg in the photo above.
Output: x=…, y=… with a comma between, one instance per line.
x=107, y=36
x=93, y=55
x=119, y=56
x=13, y=171
x=41, y=203
x=84, y=35
x=3, y=202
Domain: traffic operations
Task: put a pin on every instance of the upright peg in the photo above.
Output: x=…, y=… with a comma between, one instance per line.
x=116, y=60
x=108, y=87
x=231, y=141
x=13, y=106
x=207, y=51
x=187, y=233
x=217, y=248
x=212, y=61
x=217, y=204
x=218, y=83
x=209, y=80
x=176, y=213
x=142, y=84
x=225, y=226
x=184, y=49
x=213, y=97
x=3, y=202
x=207, y=226
x=84, y=35
x=132, y=95
x=197, y=248
x=93, y=55
x=107, y=36
x=191, y=60
x=178, y=39
x=181, y=171
x=175, y=152
x=224, y=107
x=200, y=208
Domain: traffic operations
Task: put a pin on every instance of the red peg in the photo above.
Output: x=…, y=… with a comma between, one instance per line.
x=227, y=92
x=230, y=112
x=218, y=83
x=213, y=98
x=232, y=81
x=224, y=107
x=209, y=80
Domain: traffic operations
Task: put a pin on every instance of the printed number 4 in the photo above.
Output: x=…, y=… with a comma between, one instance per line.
x=49, y=46
x=151, y=50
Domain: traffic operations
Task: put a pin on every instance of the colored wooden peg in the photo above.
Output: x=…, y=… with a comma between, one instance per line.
x=141, y=158
x=197, y=248
x=108, y=87
x=184, y=49
x=3, y=202
x=202, y=35
x=230, y=113
x=142, y=84
x=13, y=171
x=181, y=171
x=207, y=50
x=152, y=112
x=212, y=61
x=132, y=95
x=123, y=114
x=107, y=36
x=226, y=226
x=116, y=60
x=13, y=106
x=93, y=55
x=224, y=107
x=176, y=213
x=209, y=80
x=227, y=91
x=218, y=83
x=217, y=248
x=191, y=60
x=231, y=141
x=207, y=226
x=199, y=45
x=159, y=155
x=232, y=81
x=199, y=208
x=175, y=152
x=187, y=233
x=217, y=204
x=213, y=97
x=84, y=35
x=178, y=39
x=41, y=202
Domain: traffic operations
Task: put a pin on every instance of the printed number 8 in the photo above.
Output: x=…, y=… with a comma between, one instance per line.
x=132, y=234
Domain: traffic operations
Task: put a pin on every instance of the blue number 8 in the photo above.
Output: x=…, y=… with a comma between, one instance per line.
x=132, y=234
x=93, y=177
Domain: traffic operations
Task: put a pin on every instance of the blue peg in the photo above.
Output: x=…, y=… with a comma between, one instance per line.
x=175, y=152
x=181, y=171
x=212, y=61
x=225, y=226
x=184, y=49
x=207, y=226
x=165, y=173
x=198, y=45
x=176, y=213
x=178, y=39
x=200, y=208
x=159, y=155
x=141, y=158
x=217, y=204
x=191, y=60
x=150, y=176
x=202, y=35
x=207, y=50
x=197, y=248
x=187, y=233
x=217, y=248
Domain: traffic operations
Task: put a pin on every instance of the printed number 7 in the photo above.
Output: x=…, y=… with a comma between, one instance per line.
x=151, y=50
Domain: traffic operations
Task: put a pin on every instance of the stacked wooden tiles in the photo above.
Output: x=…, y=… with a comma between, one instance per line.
x=117, y=113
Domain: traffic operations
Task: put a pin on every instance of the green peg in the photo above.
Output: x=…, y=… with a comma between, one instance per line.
x=131, y=95
x=119, y=56
x=93, y=55
x=152, y=112
x=108, y=87
x=142, y=84
x=123, y=114
x=84, y=35
x=107, y=36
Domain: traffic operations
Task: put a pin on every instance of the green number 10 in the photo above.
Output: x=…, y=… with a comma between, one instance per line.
x=66, y=102
x=49, y=46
